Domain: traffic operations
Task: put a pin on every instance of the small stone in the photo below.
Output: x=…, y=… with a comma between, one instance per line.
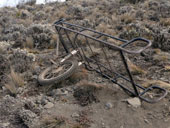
x=50, y=99
x=146, y=121
x=108, y=105
x=69, y=89
x=75, y=115
x=49, y=105
x=19, y=90
x=60, y=92
x=35, y=77
x=44, y=101
x=135, y=102
x=103, y=125
x=5, y=125
x=4, y=88
x=122, y=126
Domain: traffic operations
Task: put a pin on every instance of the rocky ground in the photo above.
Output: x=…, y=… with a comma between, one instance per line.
x=85, y=100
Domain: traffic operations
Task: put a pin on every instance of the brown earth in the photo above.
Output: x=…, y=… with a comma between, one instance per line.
x=85, y=100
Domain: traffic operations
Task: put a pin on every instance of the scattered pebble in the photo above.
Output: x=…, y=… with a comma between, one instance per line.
x=146, y=121
x=5, y=125
x=75, y=115
x=49, y=105
x=44, y=101
x=60, y=92
x=122, y=126
x=108, y=105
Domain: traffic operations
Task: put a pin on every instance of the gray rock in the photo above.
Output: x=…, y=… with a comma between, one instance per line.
x=49, y=105
x=135, y=102
x=108, y=105
x=58, y=92
x=4, y=125
x=44, y=102
x=75, y=115
x=28, y=117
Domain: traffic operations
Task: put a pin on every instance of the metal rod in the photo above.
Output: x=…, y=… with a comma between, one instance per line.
x=129, y=74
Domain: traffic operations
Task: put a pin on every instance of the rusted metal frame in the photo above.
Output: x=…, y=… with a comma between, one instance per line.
x=121, y=50
x=134, y=86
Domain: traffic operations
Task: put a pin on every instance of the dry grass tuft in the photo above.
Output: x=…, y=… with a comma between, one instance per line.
x=11, y=87
x=157, y=50
x=18, y=14
x=165, y=21
x=15, y=81
x=127, y=18
x=53, y=122
x=54, y=37
x=49, y=121
x=16, y=78
x=96, y=51
x=34, y=51
x=135, y=69
x=86, y=84
x=29, y=43
x=160, y=83
x=62, y=13
x=162, y=56
x=167, y=67
x=110, y=40
x=79, y=75
x=111, y=32
x=102, y=28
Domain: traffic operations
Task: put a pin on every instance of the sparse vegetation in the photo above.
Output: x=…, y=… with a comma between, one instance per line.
x=127, y=18
x=136, y=70
x=167, y=67
x=161, y=57
x=16, y=78
x=85, y=93
x=11, y=87
x=79, y=75
x=160, y=83
x=53, y=122
x=165, y=22
x=29, y=42
x=132, y=1
x=15, y=81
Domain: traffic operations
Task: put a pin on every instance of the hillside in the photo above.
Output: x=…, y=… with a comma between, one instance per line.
x=84, y=100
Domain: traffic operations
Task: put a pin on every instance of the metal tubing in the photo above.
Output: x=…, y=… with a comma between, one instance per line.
x=129, y=74
x=104, y=68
